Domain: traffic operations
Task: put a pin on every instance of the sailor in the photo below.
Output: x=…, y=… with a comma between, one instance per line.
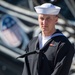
x=50, y=53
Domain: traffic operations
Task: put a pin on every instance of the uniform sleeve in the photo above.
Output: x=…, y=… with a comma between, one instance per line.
x=25, y=72
x=63, y=60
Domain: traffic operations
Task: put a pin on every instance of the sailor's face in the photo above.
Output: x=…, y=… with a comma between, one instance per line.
x=47, y=23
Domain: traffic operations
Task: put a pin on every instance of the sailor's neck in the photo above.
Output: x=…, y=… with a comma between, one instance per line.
x=48, y=34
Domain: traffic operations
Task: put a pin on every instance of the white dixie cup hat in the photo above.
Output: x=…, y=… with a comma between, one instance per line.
x=47, y=8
